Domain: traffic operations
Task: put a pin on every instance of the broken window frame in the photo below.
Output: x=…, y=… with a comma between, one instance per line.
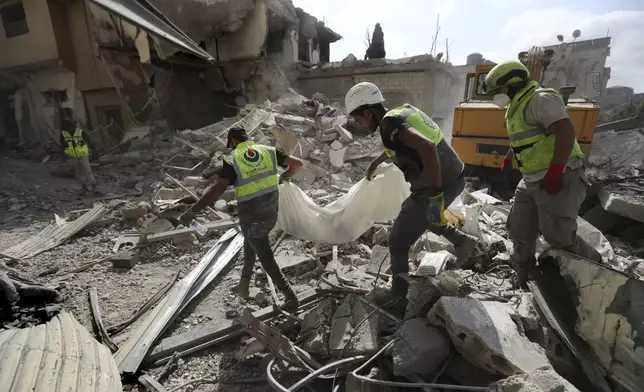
x=12, y=24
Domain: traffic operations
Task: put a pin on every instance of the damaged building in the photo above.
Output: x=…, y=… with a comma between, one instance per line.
x=128, y=68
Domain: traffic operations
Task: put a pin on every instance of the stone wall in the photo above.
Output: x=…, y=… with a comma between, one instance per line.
x=419, y=81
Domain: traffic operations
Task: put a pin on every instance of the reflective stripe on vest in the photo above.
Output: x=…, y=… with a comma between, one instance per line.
x=417, y=120
x=533, y=146
x=75, y=146
x=256, y=170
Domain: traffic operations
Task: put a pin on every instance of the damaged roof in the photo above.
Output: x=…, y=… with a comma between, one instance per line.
x=58, y=356
x=144, y=15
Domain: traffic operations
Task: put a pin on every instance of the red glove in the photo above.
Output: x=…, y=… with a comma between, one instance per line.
x=507, y=164
x=552, y=182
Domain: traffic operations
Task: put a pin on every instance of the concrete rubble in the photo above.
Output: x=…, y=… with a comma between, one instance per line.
x=463, y=325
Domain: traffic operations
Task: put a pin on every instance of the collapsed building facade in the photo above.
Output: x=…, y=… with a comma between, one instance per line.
x=125, y=66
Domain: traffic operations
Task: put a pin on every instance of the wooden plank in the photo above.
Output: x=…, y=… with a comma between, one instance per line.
x=206, y=337
x=98, y=320
x=150, y=384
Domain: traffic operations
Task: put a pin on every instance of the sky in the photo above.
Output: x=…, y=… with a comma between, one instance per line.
x=498, y=29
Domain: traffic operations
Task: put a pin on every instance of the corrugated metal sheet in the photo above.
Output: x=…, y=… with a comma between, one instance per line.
x=58, y=356
x=144, y=15
x=54, y=235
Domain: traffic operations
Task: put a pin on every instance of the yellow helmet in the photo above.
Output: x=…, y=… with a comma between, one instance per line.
x=507, y=74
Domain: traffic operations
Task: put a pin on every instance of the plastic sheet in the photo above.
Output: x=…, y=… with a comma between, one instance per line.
x=347, y=218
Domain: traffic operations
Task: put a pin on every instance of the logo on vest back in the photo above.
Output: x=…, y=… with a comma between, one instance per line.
x=251, y=155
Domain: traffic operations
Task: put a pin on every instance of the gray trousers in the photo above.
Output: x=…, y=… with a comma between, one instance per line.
x=410, y=224
x=555, y=216
x=257, y=244
x=83, y=172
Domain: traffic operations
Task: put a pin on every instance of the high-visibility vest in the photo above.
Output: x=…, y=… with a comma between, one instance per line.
x=417, y=120
x=256, y=170
x=533, y=146
x=75, y=146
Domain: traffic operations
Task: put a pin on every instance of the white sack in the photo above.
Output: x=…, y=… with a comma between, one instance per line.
x=349, y=216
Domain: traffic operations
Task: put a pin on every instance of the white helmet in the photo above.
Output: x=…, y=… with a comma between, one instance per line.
x=361, y=94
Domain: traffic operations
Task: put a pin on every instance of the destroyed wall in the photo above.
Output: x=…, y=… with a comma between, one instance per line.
x=38, y=45
x=419, y=81
x=248, y=40
x=581, y=64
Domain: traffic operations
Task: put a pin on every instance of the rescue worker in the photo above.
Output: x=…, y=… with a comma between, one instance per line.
x=542, y=139
x=252, y=170
x=414, y=142
x=76, y=147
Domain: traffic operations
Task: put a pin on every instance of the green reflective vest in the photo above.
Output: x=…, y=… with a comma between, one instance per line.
x=75, y=146
x=417, y=120
x=256, y=170
x=533, y=146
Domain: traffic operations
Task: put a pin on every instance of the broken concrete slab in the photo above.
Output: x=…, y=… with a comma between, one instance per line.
x=623, y=202
x=341, y=180
x=544, y=379
x=137, y=211
x=170, y=193
x=422, y=294
x=158, y=226
x=484, y=333
x=608, y=304
x=380, y=236
x=603, y=220
x=336, y=157
x=464, y=373
x=315, y=328
x=347, y=341
x=379, y=256
x=345, y=136
x=420, y=350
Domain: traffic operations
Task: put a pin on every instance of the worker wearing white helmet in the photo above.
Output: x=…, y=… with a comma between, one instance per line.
x=414, y=142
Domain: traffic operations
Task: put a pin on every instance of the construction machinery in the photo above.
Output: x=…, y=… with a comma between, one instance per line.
x=479, y=136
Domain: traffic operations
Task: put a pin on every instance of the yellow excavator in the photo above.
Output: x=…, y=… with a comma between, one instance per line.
x=478, y=134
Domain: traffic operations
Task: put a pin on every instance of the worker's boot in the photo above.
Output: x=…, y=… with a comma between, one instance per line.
x=243, y=288
x=291, y=303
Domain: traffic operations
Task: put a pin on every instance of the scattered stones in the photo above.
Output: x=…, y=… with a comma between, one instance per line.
x=544, y=379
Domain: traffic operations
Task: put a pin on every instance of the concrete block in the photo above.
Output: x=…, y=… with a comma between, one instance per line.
x=349, y=314
x=601, y=219
x=379, y=255
x=421, y=349
x=136, y=212
x=622, y=203
x=221, y=205
x=345, y=136
x=484, y=333
x=433, y=263
x=421, y=296
x=315, y=328
x=544, y=379
x=170, y=194
x=336, y=157
x=380, y=236
x=194, y=181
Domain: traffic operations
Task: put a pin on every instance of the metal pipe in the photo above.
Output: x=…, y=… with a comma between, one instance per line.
x=408, y=384
x=324, y=369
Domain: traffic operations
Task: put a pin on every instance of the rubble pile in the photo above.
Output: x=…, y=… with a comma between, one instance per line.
x=466, y=328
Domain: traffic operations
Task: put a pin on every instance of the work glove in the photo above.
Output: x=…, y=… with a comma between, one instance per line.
x=553, y=181
x=506, y=165
x=436, y=210
x=187, y=217
x=284, y=178
x=369, y=173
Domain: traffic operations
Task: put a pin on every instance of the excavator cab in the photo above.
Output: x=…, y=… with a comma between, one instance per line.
x=479, y=136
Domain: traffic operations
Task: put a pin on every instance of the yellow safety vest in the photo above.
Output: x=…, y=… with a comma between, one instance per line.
x=75, y=146
x=533, y=146
x=256, y=170
x=417, y=120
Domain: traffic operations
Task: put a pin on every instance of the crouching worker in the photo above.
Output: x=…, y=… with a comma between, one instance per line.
x=416, y=145
x=252, y=170
x=76, y=145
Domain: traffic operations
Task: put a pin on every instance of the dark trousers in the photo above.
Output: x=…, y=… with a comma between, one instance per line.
x=410, y=224
x=257, y=244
